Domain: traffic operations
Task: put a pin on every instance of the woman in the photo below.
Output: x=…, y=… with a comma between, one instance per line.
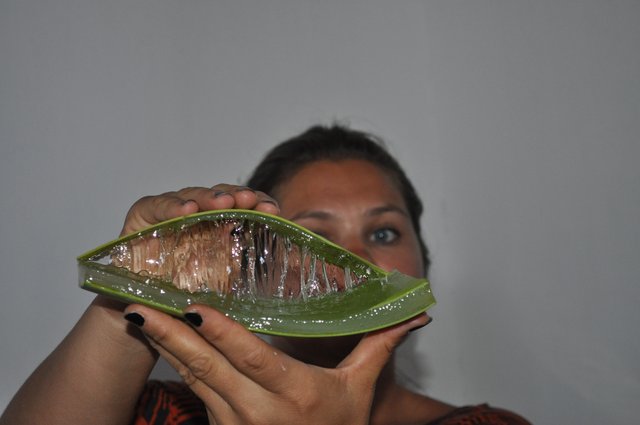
x=337, y=182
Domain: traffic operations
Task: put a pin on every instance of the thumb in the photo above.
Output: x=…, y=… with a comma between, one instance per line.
x=375, y=348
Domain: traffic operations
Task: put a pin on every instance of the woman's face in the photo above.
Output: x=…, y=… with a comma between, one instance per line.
x=356, y=205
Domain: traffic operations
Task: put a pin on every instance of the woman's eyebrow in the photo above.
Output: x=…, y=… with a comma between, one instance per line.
x=320, y=215
x=387, y=209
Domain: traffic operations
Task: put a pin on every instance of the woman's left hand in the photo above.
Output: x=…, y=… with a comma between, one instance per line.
x=243, y=380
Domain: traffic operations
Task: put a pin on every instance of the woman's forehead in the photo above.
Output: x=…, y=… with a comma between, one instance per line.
x=349, y=181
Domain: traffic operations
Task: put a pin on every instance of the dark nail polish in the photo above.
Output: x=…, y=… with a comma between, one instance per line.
x=422, y=326
x=194, y=318
x=135, y=318
x=270, y=201
x=244, y=189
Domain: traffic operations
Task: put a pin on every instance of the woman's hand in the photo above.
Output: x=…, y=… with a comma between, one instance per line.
x=151, y=210
x=101, y=346
x=243, y=380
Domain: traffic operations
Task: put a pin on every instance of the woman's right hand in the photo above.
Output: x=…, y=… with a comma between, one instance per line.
x=98, y=372
x=151, y=210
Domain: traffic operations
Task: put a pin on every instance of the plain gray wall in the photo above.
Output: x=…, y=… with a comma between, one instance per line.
x=518, y=121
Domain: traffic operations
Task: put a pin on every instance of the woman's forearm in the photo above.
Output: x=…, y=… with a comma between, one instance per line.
x=94, y=376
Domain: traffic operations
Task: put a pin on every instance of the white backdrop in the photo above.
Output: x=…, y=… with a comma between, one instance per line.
x=518, y=121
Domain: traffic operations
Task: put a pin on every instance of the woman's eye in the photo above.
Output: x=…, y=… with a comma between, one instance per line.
x=384, y=236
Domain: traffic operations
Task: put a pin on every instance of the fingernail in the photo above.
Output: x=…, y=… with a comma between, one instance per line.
x=244, y=188
x=194, y=318
x=422, y=326
x=219, y=193
x=135, y=318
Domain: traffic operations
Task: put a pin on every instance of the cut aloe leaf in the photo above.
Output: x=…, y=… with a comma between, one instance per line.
x=267, y=273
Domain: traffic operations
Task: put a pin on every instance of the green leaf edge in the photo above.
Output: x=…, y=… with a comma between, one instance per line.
x=409, y=296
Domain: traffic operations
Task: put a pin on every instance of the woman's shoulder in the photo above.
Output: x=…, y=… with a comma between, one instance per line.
x=481, y=414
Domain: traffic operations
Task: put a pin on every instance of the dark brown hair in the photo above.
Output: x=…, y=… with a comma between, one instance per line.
x=335, y=143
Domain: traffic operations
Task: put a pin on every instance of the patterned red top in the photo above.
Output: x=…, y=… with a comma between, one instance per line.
x=169, y=403
x=481, y=414
x=173, y=403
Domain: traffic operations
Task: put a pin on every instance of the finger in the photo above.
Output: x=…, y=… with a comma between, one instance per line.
x=267, y=366
x=154, y=209
x=374, y=350
x=215, y=404
x=267, y=204
x=194, y=358
x=246, y=198
x=207, y=198
x=237, y=395
x=151, y=210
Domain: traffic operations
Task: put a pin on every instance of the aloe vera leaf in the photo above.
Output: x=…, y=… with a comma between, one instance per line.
x=381, y=300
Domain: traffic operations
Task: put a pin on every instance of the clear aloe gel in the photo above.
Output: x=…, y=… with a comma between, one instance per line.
x=265, y=272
